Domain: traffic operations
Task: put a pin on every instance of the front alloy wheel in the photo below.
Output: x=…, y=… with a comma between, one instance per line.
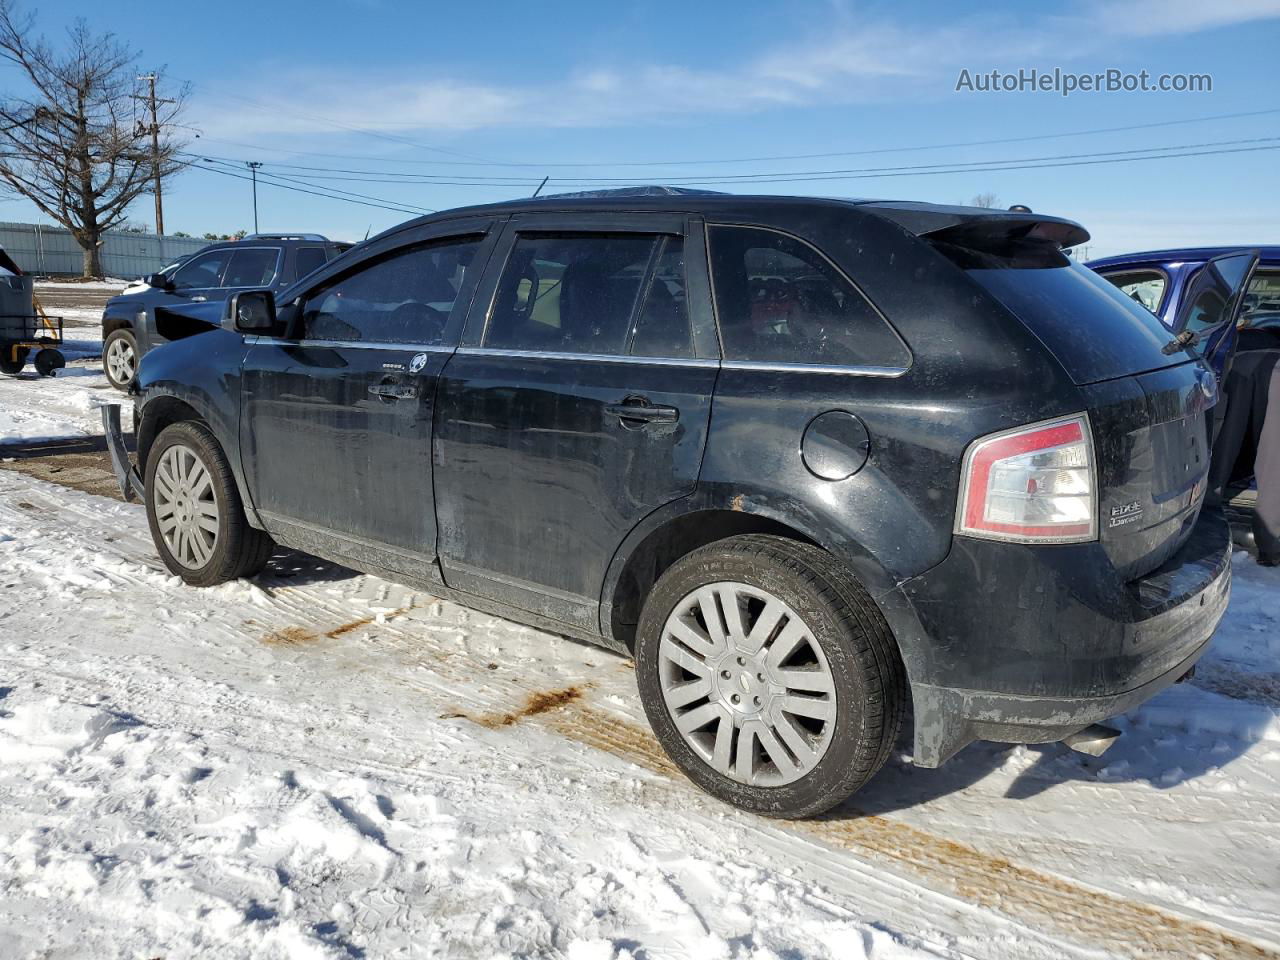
x=120, y=358
x=186, y=507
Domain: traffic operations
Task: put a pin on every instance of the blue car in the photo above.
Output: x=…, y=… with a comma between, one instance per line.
x=1194, y=302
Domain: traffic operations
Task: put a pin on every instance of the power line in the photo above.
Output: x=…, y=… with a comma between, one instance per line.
x=794, y=176
x=334, y=190
x=734, y=160
x=315, y=193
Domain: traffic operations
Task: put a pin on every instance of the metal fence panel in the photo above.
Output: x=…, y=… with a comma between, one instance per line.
x=45, y=250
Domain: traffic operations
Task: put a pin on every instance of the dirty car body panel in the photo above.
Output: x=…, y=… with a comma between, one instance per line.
x=545, y=483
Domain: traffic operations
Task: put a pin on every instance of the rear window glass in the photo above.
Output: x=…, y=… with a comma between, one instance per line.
x=1096, y=331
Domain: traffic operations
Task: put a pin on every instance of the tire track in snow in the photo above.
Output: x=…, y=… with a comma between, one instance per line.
x=1038, y=900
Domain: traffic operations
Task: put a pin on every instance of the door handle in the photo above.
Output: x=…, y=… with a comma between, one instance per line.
x=640, y=410
x=393, y=391
x=198, y=299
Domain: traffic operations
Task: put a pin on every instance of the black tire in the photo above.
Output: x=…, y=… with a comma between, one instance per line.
x=122, y=340
x=9, y=363
x=239, y=549
x=865, y=666
x=48, y=361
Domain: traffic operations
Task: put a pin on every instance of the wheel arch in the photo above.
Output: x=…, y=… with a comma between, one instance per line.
x=671, y=532
x=112, y=323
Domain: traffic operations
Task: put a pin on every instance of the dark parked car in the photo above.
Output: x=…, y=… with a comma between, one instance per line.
x=811, y=462
x=261, y=260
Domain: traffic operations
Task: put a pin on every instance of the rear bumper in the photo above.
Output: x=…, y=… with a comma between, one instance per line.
x=1029, y=645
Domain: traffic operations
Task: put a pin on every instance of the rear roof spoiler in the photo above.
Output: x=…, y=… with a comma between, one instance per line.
x=963, y=225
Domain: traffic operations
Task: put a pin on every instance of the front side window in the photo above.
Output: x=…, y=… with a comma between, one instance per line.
x=780, y=301
x=1144, y=286
x=408, y=297
x=605, y=294
x=203, y=270
x=254, y=267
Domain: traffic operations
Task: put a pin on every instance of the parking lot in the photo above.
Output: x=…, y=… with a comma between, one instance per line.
x=348, y=750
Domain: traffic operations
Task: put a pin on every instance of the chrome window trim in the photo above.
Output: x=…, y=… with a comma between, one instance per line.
x=782, y=366
x=351, y=344
x=867, y=370
x=599, y=357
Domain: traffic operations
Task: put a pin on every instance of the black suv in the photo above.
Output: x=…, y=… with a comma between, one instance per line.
x=812, y=462
x=261, y=260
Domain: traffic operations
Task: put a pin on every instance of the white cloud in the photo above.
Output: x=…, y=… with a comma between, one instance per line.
x=1155, y=17
x=854, y=60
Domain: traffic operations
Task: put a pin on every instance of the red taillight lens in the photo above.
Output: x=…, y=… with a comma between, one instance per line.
x=1034, y=484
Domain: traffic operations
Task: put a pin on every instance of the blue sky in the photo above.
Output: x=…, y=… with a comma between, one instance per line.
x=459, y=90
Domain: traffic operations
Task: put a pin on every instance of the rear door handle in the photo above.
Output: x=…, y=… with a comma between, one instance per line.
x=393, y=391
x=640, y=410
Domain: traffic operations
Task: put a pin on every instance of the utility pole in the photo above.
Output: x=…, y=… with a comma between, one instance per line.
x=253, y=166
x=155, y=146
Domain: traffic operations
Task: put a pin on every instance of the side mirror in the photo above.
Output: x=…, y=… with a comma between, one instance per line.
x=159, y=281
x=254, y=311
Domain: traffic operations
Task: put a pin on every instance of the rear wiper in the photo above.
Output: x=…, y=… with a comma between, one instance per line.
x=1188, y=338
x=1183, y=340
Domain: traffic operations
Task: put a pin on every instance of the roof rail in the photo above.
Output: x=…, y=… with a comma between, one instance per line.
x=288, y=236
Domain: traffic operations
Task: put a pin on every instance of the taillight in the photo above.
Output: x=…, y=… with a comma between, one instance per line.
x=1034, y=484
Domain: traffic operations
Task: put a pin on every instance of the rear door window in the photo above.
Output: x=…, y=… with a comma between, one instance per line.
x=252, y=267
x=309, y=259
x=778, y=300
x=592, y=293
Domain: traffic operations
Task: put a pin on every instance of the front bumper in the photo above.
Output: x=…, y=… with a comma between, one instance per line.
x=126, y=473
x=1030, y=644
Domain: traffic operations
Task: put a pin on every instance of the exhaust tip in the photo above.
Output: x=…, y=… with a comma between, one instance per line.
x=1093, y=740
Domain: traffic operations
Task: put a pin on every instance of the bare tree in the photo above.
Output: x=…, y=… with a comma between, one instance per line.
x=988, y=200
x=78, y=144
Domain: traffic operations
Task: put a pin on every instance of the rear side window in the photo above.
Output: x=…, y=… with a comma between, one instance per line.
x=605, y=294
x=405, y=298
x=779, y=300
x=255, y=267
x=309, y=259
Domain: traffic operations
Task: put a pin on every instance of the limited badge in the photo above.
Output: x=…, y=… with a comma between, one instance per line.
x=418, y=362
x=1125, y=513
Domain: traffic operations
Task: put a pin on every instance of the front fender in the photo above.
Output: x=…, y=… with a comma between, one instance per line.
x=200, y=373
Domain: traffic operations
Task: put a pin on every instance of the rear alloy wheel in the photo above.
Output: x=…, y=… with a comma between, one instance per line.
x=756, y=698
x=120, y=357
x=194, y=510
x=769, y=675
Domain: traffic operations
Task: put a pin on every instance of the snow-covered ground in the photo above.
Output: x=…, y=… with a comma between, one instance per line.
x=323, y=764
x=67, y=405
